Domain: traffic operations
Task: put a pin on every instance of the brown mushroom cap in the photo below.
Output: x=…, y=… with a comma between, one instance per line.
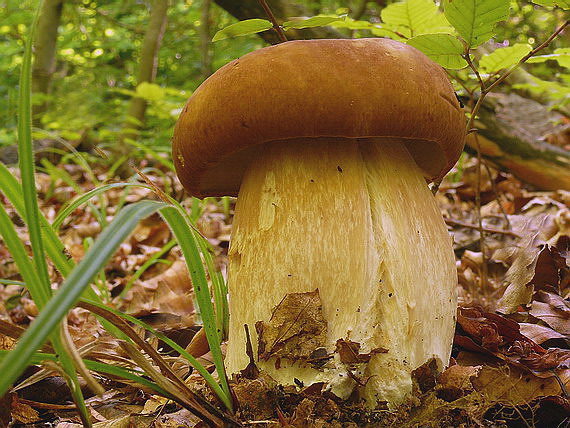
x=360, y=88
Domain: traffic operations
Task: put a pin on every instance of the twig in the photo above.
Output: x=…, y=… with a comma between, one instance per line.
x=453, y=222
x=467, y=58
x=529, y=55
x=496, y=193
x=483, y=245
x=276, y=26
x=474, y=110
x=486, y=90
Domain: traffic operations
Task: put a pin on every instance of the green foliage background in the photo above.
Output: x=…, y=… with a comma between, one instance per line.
x=99, y=43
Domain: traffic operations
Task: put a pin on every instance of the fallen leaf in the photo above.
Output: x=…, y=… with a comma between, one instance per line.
x=349, y=352
x=539, y=333
x=522, y=270
x=553, y=310
x=169, y=292
x=295, y=330
x=513, y=385
x=23, y=413
x=455, y=382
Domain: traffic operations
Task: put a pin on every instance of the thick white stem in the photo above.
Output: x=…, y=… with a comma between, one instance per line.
x=355, y=219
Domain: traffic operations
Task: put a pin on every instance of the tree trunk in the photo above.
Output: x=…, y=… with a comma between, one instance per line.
x=45, y=54
x=147, y=72
x=513, y=134
x=206, y=47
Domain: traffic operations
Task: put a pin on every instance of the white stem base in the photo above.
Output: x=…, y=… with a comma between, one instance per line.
x=355, y=219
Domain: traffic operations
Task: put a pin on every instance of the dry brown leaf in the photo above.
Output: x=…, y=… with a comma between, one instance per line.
x=553, y=310
x=349, y=352
x=539, y=333
x=549, y=270
x=120, y=422
x=514, y=385
x=455, y=382
x=295, y=330
x=198, y=346
x=169, y=292
x=522, y=270
x=23, y=413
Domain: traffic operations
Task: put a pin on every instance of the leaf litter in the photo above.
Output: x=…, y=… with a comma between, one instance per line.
x=511, y=357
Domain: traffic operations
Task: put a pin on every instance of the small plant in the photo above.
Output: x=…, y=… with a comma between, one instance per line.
x=77, y=278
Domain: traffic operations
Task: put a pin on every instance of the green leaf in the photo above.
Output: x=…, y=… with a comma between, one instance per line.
x=474, y=20
x=353, y=24
x=414, y=17
x=561, y=55
x=315, y=21
x=444, y=49
x=563, y=4
x=242, y=28
x=150, y=91
x=503, y=58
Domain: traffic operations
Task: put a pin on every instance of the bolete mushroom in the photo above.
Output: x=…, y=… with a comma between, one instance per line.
x=328, y=145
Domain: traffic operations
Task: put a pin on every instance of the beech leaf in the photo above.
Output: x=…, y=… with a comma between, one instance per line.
x=475, y=20
x=315, y=21
x=243, y=28
x=503, y=58
x=444, y=49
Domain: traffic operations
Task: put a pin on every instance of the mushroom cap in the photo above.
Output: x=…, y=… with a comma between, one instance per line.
x=356, y=89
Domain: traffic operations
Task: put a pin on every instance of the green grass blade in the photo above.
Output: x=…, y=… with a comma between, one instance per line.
x=26, y=162
x=186, y=238
x=218, y=288
x=126, y=374
x=20, y=256
x=99, y=367
x=54, y=247
x=75, y=203
x=154, y=154
x=193, y=361
x=71, y=379
x=72, y=288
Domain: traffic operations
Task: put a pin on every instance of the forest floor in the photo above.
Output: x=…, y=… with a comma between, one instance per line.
x=511, y=358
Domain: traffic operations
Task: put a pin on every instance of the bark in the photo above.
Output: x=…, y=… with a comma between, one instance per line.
x=283, y=11
x=45, y=54
x=147, y=69
x=513, y=134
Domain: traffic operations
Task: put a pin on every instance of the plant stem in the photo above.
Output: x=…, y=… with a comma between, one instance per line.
x=272, y=18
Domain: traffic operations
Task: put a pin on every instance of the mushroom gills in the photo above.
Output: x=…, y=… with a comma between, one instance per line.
x=354, y=219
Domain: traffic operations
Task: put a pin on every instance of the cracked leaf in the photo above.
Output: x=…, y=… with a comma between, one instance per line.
x=295, y=330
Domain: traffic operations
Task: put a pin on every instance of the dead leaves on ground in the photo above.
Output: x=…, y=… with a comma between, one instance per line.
x=296, y=328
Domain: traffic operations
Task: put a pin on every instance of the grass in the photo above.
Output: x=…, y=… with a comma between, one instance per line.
x=76, y=287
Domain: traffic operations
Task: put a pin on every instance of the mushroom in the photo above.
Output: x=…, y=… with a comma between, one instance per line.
x=328, y=145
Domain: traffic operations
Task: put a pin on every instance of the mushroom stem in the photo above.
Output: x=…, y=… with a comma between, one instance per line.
x=354, y=219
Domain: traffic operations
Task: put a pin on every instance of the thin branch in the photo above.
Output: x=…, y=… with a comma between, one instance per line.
x=272, y=18
x=459, y=223
x=496, y=193
x=467, y=58
x=483, y=245
x=486, y=90
x=528, y=55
